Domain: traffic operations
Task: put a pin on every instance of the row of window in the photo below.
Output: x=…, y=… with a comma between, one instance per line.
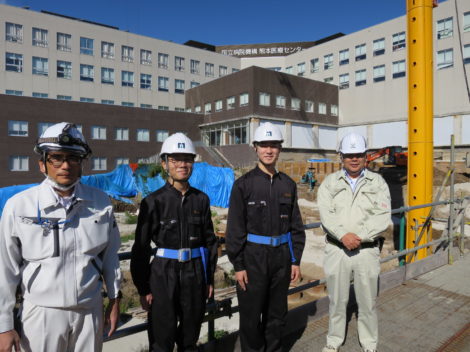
x=21, y=163
x=14, y=33
x=21, y=129
x=444, y=29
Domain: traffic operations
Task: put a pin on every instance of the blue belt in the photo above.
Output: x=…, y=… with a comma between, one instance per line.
x=273, y=241
x=185, y=255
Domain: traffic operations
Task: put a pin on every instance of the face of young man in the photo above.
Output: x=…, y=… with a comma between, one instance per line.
x=63, y=167
x=354, y=163
x=268, y=152
x=179, y=166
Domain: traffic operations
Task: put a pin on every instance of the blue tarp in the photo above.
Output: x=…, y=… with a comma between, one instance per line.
x=216, y=182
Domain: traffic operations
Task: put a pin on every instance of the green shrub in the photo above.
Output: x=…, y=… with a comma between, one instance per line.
x=130, y=218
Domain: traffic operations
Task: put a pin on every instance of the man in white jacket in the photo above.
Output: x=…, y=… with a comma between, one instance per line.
x=354, y=206
x=58, y=243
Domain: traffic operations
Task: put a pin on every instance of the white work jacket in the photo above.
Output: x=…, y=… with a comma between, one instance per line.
x=59, y=256
x=365, y=212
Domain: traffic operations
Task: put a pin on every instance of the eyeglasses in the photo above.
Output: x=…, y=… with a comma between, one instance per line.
x=185, y=160
x=57, y=160
x=354, y=156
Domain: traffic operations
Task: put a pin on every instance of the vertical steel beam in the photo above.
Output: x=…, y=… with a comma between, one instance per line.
x=420, y=119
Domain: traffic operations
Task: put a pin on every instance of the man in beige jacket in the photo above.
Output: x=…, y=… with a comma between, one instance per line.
x=355, y=209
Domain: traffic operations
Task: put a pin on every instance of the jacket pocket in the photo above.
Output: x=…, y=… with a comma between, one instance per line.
x=37, y=242
x=195, y=230
x=285, y=212
x=93, y=234
x=256, y=213
x=168, y=232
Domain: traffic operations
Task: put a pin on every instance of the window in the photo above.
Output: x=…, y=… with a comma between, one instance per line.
x=64, y=97
x=301, y=69
x=64, y=69
x=40, y=95
x=122, y=161
x=127, y=53
x=361, y=52
x=466, y=54
x=344, y=57
x=208, y=108
x=86, y=46
x=218, y=105
x=127, y=79
x=344, y=81
x=13, y=62
x=98, y=164
x=195, y=67
x=87, y=73
x=122, y=134
x=40, y=37
x=445, y=28
x=163, y=107
x=40, y=66
x=87, y=100
x=264, y=99
x=179, y=86
x=42, y=126
x=398, y=69
x=179, y=109
x=466, y=22
x=328, y=61
x=379, y=73
x=230, y=103
x=222, y=71
x=107, y=101
x=280, y=101
x=98, y=132
x=289, y=70
x=244, y=99
x=295, y=103
x=107, y=75
x=360, y=77
x=107, y=50
x=13, y=32
x=18, y=128
x=145, y=81
x=128, y=104
x=322, y=108
x=379, y=46
x=398, y=41
x=179, y=63
x=209, y=70
x=162, y=60
x=334, y=110
x=19, y=163
x=145, y=57
x=194, y=84
x=143, y=135
x=64, y=42
x=162, y=135
x=445, y=59
x=163, y=84
x=314, y=65
x=14, y=92
x=197, y=109
x=328, y=79
x=237, y=70
x=309, y=106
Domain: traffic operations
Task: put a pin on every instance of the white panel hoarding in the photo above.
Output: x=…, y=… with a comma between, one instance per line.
x=302, y=136
x=327, y=137
x=389, y=134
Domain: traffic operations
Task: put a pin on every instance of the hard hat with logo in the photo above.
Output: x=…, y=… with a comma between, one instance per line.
x=352, y=143
x=62, y=136
x=177, y=143
x=268, y=132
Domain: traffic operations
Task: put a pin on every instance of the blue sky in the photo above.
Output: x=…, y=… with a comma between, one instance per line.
x=222, y=22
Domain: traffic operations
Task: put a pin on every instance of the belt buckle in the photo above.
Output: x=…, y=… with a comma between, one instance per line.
x=184, y=255
x=275, y=241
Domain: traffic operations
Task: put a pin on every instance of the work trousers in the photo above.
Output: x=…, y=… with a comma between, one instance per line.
x=263, y=306
x=47, y=329
x=340, y=266
x=179, y=303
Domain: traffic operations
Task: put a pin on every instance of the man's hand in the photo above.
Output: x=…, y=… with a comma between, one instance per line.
x=210, y=291
x=8, y=340
x=242, y=279
x=111, y=317
x=146, y=301
x=351, y=241
x=295, y=273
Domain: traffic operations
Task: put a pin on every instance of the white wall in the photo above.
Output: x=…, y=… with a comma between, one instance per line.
x=327, y=137
x=302, y=136
x=388, y=134
x=443, y=128
x=465, y=129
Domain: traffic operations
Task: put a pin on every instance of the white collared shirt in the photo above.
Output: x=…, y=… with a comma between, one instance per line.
x=353, y=181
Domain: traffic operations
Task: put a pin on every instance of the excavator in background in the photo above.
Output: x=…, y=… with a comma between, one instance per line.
x=395, y=162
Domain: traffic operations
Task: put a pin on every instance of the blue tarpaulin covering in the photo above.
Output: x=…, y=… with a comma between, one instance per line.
x=216, y=182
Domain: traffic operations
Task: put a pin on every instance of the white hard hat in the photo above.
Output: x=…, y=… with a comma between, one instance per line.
x=62, y=136
x=268, y=132
x=352, y=143
x=177, y=143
